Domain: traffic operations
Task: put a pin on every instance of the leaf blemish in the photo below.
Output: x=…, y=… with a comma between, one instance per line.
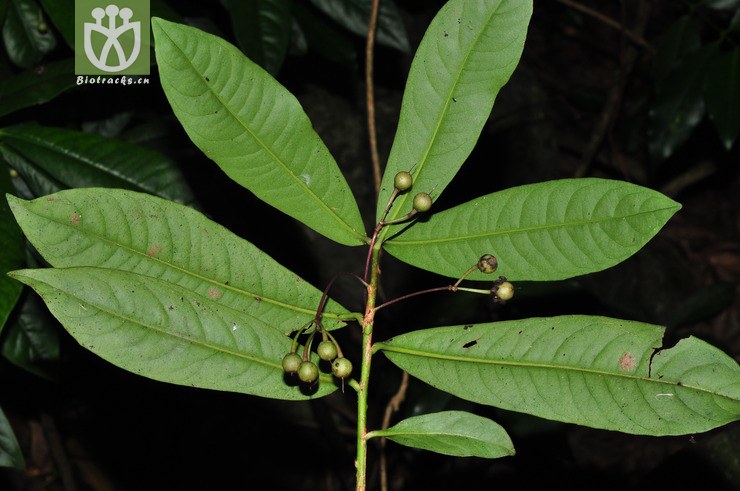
x=468, y=326
x=627, y=362
x=214, y=294
x=470, y=344
x=75, y=218
x=257, y=299
x=153, y=250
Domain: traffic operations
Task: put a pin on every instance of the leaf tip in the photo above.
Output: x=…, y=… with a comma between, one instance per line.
x=18, y=274
x=159, y=25
x=12, y=199
x=15, y=204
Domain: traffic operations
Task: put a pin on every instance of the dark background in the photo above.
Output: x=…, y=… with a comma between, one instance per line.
x=578, y=74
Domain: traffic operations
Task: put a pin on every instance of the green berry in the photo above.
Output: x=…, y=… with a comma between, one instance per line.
x=422, y=202
x=487, y=263
x=327, y=350
x=42, y=27
x=403, y=181
x=505, y=291
x=308, y=372
x=291, y=362
x=341, y=368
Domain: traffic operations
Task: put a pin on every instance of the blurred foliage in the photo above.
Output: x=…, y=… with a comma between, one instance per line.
x=696, y=74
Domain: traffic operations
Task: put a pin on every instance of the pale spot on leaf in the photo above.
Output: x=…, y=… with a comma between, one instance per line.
x=627, y=362
x=153, y=250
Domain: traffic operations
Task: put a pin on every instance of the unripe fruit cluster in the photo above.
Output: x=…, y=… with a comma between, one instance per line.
x=403, y=182
x=308, y=372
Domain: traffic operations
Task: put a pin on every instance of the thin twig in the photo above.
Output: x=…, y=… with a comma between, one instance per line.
x=369, y=50
x=697, y=173
x=393, y=405
x=611, y=108
x=59, y=453
x=632, y=36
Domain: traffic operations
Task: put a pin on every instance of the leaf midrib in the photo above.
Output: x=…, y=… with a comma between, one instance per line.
x=187, y=339
x=259, y=141
x=541, y=365
x=84, y=160
x=192, y=274
x=521, y=230
x=390, y=433
x=443, y=112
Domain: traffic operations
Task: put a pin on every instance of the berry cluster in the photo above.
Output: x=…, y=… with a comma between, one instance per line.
x=422, y=202
x=328, y=350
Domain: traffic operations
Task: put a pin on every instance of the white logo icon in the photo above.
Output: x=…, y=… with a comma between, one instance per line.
x=112, y=33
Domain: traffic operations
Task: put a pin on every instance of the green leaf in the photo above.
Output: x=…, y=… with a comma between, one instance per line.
x=12, y=256
x=468, y=53
x=455, y=433
x=680, y=39
x=541, y=232
x=62, y=14
x=262, y=28
x=679, y=103
x=163, y=331
x=54, y=159
x=10, y=451
x=32, y=342
x=354, y=16
x=255, y=130
x=722, y=96
x=36, y=86
x=721, y=4
x=25, y=43
x=592, y=371
x=735, y=22
x=136, y=232
x=326, y=39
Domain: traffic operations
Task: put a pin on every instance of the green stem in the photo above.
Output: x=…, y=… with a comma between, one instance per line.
x=367, y=353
